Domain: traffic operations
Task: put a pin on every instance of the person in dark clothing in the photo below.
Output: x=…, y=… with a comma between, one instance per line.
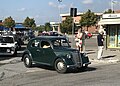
x=100, y=40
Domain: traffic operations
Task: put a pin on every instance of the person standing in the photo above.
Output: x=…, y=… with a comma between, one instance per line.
x=100, y=41
x=83, y=41
x=78, y=40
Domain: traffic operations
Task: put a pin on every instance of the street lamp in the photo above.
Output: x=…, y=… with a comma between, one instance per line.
x=112, y=7
x=59, y=16
x=112, y=4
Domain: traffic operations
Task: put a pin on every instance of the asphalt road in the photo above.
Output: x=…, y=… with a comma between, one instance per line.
x=105, y=75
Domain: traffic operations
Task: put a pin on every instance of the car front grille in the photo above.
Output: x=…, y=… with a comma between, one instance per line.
x=77, y=58
x=4, y=49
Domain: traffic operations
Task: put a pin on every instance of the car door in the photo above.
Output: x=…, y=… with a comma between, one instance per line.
x=47, y=52
x=36, y=51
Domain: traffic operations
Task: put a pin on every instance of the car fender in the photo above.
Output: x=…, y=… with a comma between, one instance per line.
x=26, y=52
x=66, y=60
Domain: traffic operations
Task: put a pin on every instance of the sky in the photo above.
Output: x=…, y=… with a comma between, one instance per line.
x=49, y=10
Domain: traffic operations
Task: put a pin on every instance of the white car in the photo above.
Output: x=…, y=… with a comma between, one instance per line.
x=8, y=45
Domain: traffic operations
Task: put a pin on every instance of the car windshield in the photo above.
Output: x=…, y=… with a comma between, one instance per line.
x=6, y=40
x=60, y=43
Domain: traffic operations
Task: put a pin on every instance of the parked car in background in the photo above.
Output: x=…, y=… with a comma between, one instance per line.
x=8, y=45
x=50, y=33
x=54, y=51
x=53, y=33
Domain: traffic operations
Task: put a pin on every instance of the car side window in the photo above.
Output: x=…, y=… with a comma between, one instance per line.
x=45, y=44
x=35, y=43
x=56, y=43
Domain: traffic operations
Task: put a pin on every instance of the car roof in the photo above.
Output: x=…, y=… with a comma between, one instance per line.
x=50, y=37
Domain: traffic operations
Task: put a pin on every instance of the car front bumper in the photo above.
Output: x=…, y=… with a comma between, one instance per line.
x=75, y=66
x=7, y=51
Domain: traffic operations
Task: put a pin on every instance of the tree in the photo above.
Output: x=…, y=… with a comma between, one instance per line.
x=29, y=23
x=108, y=11
x=1, y=23
x=66, y=25
x=40, y=28
x=9, y=22
x=48, y=27
x=88, y=19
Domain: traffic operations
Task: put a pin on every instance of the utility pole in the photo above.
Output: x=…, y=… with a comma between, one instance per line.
x=112, y=7
x=73, y=13
x=112, y=4
x=59, y=31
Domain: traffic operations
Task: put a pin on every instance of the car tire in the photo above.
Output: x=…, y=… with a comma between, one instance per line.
x=60, y=66
x=27, y=61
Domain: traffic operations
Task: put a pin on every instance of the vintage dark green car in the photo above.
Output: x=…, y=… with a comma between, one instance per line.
x=54, y=51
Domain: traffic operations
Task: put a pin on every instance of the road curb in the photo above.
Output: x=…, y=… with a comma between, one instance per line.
x=105, y=61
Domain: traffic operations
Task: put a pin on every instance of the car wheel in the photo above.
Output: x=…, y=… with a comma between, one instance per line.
x=27, y=61
x=60, y=66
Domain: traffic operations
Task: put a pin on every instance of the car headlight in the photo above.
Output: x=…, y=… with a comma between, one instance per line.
x=8, y=50
x=69, y=56
x=12, y=52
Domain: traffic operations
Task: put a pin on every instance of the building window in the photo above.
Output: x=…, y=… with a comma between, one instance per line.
x=112, y=31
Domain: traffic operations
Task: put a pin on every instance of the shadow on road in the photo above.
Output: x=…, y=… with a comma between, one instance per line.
x=7, y=57
x=69, y=70
x=43, y=67
x=111, y=56
x=91, y=69
x=91, y=52
x=82, y=70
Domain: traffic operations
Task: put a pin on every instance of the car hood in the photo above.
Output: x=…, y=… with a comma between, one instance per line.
x=62, y=51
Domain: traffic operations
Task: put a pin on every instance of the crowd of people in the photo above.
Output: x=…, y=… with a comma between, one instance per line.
x=80, y=42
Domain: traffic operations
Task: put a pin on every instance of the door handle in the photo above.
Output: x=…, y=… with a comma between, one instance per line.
x=38, y=50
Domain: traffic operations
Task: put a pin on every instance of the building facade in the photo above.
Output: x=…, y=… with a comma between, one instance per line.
x=91, y=29
x=111, y=22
